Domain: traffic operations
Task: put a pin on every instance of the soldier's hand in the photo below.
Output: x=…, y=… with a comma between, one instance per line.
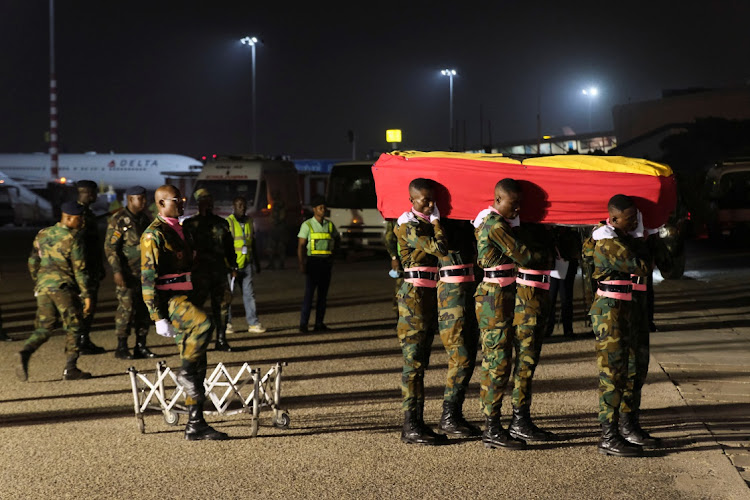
x=119, y=280
x=86, y=306
x=395, y=265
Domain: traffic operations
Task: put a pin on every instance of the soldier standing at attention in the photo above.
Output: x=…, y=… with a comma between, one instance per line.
x=215, y=259
x=421, y=242
x=93, y=248
x=166, y=280
x=614, y=262
x=241, y=228
x=122, y=246
x=58, y=265
x=316, y=241
x=397, y=272
x=498, y=252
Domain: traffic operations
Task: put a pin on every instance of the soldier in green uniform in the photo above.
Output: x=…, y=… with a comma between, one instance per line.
x=397, y=272
x=421, y=243
x=215, y=259
x=614, y=260
x=58, y=265
x=166, y=281
x=93, y=249
x=122, y=247
x=457, y=323
x=498, y=252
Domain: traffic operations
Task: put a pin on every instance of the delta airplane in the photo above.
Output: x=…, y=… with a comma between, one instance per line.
x=118, y=170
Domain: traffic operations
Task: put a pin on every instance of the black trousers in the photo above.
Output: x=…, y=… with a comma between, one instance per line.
x=565, y=289
x=318, y=276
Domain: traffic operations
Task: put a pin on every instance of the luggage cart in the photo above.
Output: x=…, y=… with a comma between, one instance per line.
x=223, y=389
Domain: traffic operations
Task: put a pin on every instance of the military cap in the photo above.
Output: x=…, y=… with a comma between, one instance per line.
x=135, y=191
x=201, y=193
x=317, y=200
x=87, y=184
x=72, y=208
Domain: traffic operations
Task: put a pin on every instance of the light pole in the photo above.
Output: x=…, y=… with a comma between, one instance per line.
x=252, y=42
x=591, y=93
x=450, y=73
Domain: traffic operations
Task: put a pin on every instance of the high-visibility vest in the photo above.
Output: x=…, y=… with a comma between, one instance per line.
x=243, y=237
x=321, y=243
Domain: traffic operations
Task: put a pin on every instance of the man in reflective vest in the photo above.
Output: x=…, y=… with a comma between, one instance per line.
x=241, y=227
x=317, y=239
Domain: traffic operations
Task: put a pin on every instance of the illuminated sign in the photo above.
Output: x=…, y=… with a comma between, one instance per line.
x=393, y=135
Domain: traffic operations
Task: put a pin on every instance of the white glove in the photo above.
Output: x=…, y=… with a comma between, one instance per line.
x=638, y=232
x=435, y=215
x=164, y=328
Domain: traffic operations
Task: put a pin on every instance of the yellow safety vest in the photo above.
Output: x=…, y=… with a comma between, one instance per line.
x=320, y=243
x=243, y=237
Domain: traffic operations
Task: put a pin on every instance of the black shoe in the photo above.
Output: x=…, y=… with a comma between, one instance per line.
x=75, y=374
x=198, y=430
x=303, y=329
x=86, y=347
x=222, y=346
x=652, y=327
x=140, y=351
x=415, y=432
x=4, y=337
x=522, y=427
x=494, y=436
x=568, y=332
x=630, y=429
x=122, y=352
x=321, y=327
x=22, y=365
x=453, y=422
x=613, y=444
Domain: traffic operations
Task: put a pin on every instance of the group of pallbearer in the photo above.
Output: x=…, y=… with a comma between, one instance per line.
x=494, y=284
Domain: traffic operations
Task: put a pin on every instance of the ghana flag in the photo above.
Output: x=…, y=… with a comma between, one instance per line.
x=563, y=189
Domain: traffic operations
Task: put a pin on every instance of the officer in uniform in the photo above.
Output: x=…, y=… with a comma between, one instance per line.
x=58, y=265
x=93, y=249
x=615, y=261
x=241, y=228
x=122, y=247
x=166, y=280
x=421, y=243
x=397, y=272
x=215, y=259
x=316, y=241
x=498, y=252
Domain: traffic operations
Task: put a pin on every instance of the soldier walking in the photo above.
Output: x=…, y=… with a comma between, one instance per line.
x=122, y=247
x=58, y=265
x=166, y=280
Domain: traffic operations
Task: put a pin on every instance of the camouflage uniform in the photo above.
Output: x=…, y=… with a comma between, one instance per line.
x=57, y=263
x=164, y=252
x=122, y=246
x=215, y=258
x=391, y=245
x=94, y=255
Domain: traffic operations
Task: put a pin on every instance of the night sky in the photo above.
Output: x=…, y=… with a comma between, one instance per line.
x=172, y=77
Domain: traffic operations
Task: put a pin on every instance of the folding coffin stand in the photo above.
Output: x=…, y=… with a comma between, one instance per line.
x=222, y=389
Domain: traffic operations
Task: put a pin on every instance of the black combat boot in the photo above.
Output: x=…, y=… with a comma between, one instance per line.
x=140, y=351
x=85, y=346
x=22, y=365
x=495, y=436
x=415, y=432
x=630, y=429
x=72, y=372
x=122, y=352
x=440, y=438
x=522, y=427
x=221, y=342
x=453, y=422
x=4, y=337
x=197, y=429
x=612, y=443
x=191, y=383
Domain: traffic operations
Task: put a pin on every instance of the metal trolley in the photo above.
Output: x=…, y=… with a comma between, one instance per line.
x=223, y=390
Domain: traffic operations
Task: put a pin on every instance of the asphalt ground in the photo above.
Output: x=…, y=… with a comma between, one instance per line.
x=341, y=389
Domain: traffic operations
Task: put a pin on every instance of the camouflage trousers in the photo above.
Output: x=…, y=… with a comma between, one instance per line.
x=529, y=319
x=417, y=323
x=397, y=283
x=610, y=322
x=459, y=334
x=638, y=353
x=131, y=312
x=494, y=310
x=49, y=306
x=216, y=287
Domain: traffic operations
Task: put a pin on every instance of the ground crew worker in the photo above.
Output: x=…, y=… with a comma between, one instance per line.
x=93, y=250
x=421, y=242
x=278, y=236
x=529, y=322
x=317, y=240
x=397, y=272
x=457, y=323
x=58, y=265
x=241, y=228
x=166, y=280
x=614, y=262
x=122, y=247
x=498, y=252
x=215, y=259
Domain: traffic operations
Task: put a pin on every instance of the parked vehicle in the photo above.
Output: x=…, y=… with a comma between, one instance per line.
x=728, y=196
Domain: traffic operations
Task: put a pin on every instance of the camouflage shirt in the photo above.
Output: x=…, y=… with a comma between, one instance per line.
x=57, y=261
x=163, y=252
x=92, y=245
x=122, y=243
x=420, y=243
x=389, y=238
x=214, y=244
x=614, y=258
x=496, y=244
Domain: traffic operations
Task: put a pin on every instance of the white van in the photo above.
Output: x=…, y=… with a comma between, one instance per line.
x=352, y=203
